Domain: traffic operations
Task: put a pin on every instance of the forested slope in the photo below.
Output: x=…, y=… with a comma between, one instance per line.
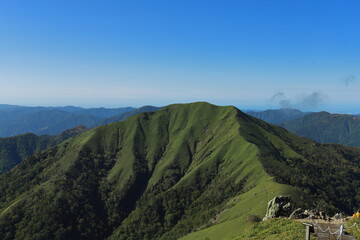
x=192, y=171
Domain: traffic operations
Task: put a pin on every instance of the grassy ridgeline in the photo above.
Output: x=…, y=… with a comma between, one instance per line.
x=187, y=170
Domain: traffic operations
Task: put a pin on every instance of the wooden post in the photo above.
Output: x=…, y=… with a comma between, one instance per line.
x=307, y=235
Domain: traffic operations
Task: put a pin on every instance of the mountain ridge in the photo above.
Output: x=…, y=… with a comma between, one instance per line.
x=165, y=174
x=325, y=127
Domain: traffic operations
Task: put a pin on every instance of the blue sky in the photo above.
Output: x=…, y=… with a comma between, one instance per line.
x=251, y=54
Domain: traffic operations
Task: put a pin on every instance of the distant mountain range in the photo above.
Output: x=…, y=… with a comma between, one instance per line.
x=96, y=112
x=277, y=116
x=325, y=127
x=322, y=127
x=125, y=115
x=15, y=120
x=186, y=171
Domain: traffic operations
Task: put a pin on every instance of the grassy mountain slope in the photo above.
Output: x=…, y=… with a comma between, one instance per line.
x=324, y=127
x=185, y=168
x=326, y=173
x=15, y=149
x=274, y=229
x=276, y=116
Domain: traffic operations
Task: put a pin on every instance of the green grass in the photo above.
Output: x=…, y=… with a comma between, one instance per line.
x=354, y=230
x=253, y=202
x=274, y=229
x=188, y=170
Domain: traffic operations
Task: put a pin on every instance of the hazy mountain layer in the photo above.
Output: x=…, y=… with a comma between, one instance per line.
x=277, y=115
x=15, y=120
x=49, y=122
x=122, y=117
x=11, y=110
x=190, y=171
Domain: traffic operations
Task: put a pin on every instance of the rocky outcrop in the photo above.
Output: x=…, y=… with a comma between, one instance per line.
x=297, y=214
x=280, y=206
x=308, y=214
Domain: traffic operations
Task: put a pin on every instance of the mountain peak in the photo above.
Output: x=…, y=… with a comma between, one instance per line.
x=166, y=174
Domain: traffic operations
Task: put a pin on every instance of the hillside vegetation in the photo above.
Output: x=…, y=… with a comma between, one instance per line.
x=274, y=229
x=15, y=149
x=325, y=127
x=186, y=171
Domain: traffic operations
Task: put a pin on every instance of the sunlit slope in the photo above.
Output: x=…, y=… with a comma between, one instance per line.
x=181, y=164
x=274, y=229
x=327, y=175
x=215, y=163
x=185, y=168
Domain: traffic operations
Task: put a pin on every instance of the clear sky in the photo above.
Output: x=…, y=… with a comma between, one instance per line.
x=248, y=53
